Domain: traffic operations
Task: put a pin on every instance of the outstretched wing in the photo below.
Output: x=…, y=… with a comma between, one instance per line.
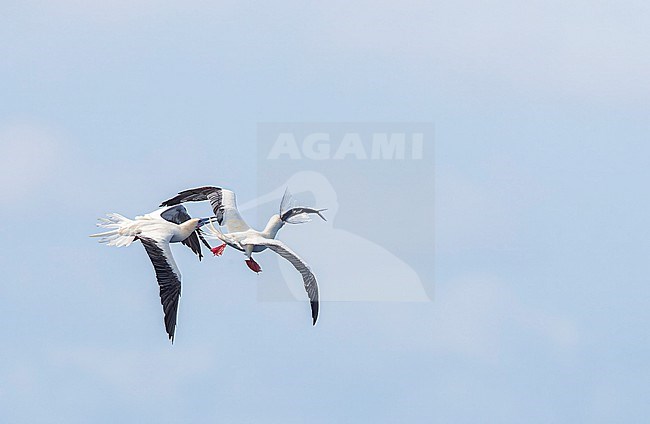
x=178, y=214
x=300, y=215
x=294, y=214
x=308, y=278
x=222, y=201
x=199, y=194
x=169, y=280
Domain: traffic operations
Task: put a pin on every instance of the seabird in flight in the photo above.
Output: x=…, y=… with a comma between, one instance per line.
x=156, y=230
x=242, y=237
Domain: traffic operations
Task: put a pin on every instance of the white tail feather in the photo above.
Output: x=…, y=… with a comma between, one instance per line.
x=119, y=235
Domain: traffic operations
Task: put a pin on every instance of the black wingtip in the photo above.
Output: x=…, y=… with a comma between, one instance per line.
x=314, y=313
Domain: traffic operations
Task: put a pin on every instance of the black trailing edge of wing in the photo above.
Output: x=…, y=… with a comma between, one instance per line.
x=198, y=194
x=170, y=285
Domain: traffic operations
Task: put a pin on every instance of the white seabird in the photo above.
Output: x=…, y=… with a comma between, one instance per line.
x=242, y=237
x=156, y=230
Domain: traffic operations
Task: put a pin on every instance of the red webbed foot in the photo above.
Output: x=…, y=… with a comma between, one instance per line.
x=218, y=251
x=254, y=266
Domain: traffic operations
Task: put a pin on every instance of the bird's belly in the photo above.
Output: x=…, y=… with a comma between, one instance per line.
x=258, y=249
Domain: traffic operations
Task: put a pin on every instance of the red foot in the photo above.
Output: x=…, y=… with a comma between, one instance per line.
x=218, y=251
x=254, y=266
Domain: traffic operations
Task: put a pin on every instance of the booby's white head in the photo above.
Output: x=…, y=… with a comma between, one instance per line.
x=191, y=225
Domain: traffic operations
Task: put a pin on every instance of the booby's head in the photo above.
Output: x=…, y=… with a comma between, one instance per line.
x=194, y=223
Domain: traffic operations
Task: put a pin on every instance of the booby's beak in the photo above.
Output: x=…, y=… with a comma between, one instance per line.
x=204, y=221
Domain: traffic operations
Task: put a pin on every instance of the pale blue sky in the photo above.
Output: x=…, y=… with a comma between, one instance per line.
x=539, y=275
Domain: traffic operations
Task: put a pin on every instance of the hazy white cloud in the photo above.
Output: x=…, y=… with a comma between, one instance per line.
x=474, y=314
x=576, y=48
x=117, y=12
x=129, y=371
x=28, y=156
x=593, y=49
x=20, y=379
x=470, y=214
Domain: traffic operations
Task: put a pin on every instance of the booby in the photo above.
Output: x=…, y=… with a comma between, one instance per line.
x=156, y=230
x=242, y=237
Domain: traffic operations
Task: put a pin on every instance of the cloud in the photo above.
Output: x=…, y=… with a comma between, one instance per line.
x=579, y=48
x=118, y=12
x=128, y=370
x=476, y=314
x=28, y=156
x=472, y=213
x=570, y=49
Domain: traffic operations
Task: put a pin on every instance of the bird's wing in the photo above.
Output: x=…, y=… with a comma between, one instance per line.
x=169, y=279
x=178, y=214
x=308, y=278
x=222, y=201
x=294, y=214
x=199, y=194
x=232, y=220
x=300, y=215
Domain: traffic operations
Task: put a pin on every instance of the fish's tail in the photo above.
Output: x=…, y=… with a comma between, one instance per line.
x=121, y=232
